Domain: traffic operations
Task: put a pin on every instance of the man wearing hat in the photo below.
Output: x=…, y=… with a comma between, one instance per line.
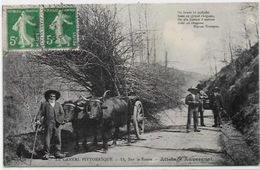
x=217, y=106
x=51, y=115
x=193, y=102
x=202, y=95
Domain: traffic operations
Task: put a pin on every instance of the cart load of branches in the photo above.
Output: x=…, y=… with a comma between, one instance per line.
x=158, y=87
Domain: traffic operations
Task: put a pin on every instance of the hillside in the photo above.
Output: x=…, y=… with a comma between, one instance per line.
x=239, y=84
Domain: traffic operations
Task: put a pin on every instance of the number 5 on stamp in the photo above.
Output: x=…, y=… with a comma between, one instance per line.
x=60, y=28
x=23, y=27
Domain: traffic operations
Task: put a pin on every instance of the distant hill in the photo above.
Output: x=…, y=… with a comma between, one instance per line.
x=191, y=78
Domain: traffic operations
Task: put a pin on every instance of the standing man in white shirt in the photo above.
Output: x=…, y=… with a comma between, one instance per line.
x=193, y=102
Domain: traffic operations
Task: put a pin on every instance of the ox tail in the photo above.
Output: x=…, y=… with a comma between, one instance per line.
x=129, y=109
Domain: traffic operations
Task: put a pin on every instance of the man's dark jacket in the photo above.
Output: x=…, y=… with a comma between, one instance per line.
x=48, y=114
x=217, y=101
x=192, y=102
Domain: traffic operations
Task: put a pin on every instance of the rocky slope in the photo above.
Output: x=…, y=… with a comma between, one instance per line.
x=239, y=84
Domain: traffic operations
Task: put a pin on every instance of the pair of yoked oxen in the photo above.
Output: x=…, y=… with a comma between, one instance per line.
x=93, y=114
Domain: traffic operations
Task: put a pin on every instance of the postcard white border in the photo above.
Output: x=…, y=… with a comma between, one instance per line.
x=26, y=2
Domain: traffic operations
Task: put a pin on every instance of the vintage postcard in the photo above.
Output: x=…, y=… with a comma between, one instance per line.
x=130, y=85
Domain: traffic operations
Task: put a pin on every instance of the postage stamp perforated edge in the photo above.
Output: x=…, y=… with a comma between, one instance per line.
x=5, y=26
x=42, y=25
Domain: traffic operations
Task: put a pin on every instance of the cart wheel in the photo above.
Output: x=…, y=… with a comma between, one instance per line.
x=138, y=119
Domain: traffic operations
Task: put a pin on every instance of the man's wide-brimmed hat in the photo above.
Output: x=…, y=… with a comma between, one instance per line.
x=199, y=86
x=216, y=89
x=192, y=89
x=48, y=92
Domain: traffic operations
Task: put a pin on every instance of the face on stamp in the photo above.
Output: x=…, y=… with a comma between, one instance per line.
x=23, y=27
x=60, y=28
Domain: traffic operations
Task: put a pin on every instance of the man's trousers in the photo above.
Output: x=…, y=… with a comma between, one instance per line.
x=52, y=133
x=194, y=112
x=217, y=117
x=201, y=118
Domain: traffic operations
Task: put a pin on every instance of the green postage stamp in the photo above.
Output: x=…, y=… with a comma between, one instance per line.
x=47, y=28
x=23, y=27
x=60, y=28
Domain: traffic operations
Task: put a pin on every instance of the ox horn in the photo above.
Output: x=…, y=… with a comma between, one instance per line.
x=91, y=100
x=70, y=104
x=97, y=100
x=84, y=98
x=105, y=95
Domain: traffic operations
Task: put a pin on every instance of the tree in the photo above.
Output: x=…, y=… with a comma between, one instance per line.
x=24, y=84
x=250, y=13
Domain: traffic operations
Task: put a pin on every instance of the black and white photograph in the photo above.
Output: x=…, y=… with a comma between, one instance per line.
x=130, y=84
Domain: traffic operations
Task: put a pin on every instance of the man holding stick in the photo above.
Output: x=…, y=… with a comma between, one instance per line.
x=51, y=115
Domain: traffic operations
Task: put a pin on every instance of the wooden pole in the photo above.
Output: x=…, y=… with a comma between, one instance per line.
x=147, y=36
x=154, y=49
x=131, y=34
x=140, y=28
x=166, y=60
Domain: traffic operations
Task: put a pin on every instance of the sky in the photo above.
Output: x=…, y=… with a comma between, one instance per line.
x=189, y=48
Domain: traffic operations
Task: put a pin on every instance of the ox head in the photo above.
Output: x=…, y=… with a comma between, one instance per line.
x=72, y=109
x=95, y=110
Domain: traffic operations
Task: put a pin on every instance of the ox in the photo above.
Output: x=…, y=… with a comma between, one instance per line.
x=76, y=113
x=111, y=112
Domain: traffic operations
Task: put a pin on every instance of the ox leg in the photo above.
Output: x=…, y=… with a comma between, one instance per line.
x=95, y=140
x=76, y=147
x=85, y=136
x=95, y=136
x=85, y=145
x=115, y=137
x=128, y=130
x=104, y=138
x=76, y=134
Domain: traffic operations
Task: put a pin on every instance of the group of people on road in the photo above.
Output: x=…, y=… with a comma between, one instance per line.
x=195, y=101
x=51, y=115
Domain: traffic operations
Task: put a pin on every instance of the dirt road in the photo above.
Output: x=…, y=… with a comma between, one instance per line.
x=165, y=147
